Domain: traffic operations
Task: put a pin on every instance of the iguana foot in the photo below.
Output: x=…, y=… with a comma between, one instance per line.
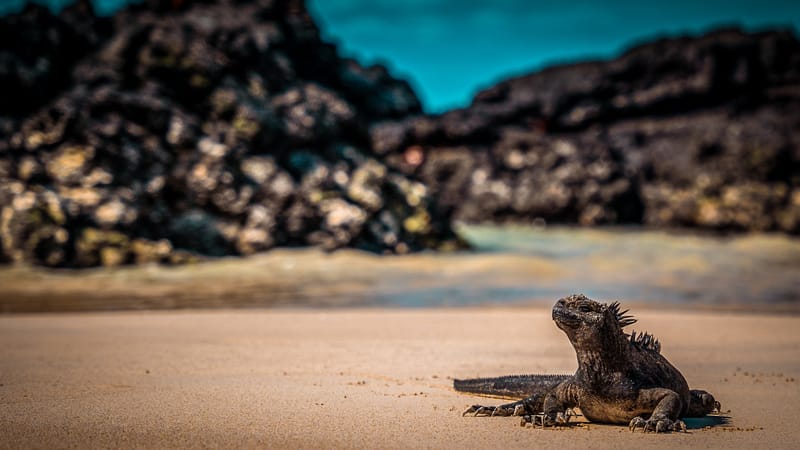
x=702, y=403
x=657, y=425
x=482, y=411
x=546, y=420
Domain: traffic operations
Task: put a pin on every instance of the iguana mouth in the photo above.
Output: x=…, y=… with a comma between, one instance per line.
x=563, y=316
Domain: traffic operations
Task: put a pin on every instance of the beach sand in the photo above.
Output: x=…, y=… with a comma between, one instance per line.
x=343, y=378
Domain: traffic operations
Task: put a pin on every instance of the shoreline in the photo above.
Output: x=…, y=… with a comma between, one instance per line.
x=358, y=377
x=511, y=266
x=650, y=306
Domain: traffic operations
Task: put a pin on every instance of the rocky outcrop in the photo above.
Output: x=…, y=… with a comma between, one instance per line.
x=39, y=50
x=186, y=128
x=698, y=132
x=227, y=127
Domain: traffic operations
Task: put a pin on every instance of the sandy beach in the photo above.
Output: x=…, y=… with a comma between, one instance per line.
x=377, y=378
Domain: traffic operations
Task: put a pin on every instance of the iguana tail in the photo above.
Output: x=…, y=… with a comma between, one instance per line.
x=513, y=386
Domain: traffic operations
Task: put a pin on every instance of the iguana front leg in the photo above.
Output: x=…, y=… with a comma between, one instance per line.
x=552, y=405
x=557, y=405
x=666, y=406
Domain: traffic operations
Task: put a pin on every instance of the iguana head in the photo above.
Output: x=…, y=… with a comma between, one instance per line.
x=587, y=322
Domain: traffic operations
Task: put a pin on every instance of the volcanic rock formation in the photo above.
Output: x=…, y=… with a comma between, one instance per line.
x=691, y=132
x=212, y=128
x=228, y=127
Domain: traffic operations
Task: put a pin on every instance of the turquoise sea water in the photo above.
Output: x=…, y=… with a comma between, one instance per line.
x=655, y=266
x=510, y=265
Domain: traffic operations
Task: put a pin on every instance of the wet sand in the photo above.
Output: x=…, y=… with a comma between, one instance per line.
x=377, y=378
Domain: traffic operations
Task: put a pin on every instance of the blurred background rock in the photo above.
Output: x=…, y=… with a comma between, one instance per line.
x=181, y=128
x=212, y=128
x=684, y=132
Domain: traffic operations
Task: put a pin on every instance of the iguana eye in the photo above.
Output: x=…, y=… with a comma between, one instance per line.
x=584, y=308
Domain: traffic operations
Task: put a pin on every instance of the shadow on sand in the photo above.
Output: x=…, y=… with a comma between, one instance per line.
x=697, y=423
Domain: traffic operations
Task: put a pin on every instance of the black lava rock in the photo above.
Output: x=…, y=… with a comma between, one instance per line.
x=215, y=128
x=697, y=132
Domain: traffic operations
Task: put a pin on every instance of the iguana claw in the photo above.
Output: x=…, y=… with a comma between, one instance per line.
x=479, y=410
x=559, y=419
x=657, y=425
x=500, y=411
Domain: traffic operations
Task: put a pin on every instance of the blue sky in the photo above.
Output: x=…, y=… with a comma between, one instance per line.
x=449, y=49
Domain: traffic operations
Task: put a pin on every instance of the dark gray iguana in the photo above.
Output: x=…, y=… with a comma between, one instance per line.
x=621, y=378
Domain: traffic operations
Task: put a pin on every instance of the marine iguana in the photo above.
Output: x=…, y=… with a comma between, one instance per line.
x=621, y=378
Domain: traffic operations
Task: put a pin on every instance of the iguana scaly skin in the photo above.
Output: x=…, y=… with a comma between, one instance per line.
x=621, y=378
